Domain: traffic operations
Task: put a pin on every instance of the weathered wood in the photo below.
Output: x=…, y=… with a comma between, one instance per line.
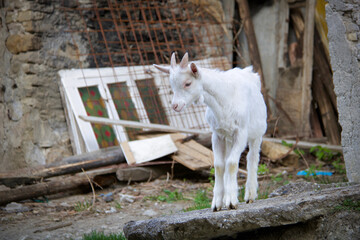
x=142, y=173
x=282, y=33
x=134, y=124
x=229, y=9
x=279, y=153
x=145, y=150
x=324, y=88
x=254, y=52
x=42, y=189
x=301, y=144
x=307, y=66
x=328, y=116
x=191, y=154
x=73, y=164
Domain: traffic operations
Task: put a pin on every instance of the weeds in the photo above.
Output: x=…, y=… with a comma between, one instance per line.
x=339, y=167
x=169, y=197
x=263, y=169
x=94, y=235
x=201, y=201
x=298, y=151
x=350, y=205
x=82, y=206
x=118, y=205
x=323, y=153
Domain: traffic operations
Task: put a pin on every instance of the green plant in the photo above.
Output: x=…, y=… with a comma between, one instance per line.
x=212, y=175
x=169, y=197
x=263, y=169
x=118, y=205
x=94, y=235
x=339, y=167
x=241, y=194
x=201, y=201
x=323, y=153
x=277, y=178
x=350, y=205
x=298, y=151
x=312, y=170
x=82, y=206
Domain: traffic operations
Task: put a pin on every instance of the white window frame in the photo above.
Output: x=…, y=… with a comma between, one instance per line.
x=82, y=132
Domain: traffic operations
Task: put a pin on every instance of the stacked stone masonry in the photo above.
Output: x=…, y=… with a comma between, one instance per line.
x=33, y=128
x=343, y=18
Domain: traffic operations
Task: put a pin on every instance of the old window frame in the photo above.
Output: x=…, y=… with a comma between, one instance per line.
x=81, y=133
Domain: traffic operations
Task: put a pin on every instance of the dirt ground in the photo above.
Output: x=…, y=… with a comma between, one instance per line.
x=69, y=217
x=60, y=219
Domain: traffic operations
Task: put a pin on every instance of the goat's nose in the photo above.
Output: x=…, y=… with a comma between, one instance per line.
x=174, y=106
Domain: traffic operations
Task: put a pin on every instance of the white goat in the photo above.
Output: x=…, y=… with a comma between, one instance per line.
x=236, y=113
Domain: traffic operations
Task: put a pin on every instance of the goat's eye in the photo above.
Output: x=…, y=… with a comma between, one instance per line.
x=187, y=84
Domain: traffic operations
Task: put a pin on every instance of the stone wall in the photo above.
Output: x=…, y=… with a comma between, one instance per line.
x=35, y=43
x=343, y=18
x=33, y=47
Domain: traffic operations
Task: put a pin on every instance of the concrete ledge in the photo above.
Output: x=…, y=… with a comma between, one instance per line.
x=273, y=212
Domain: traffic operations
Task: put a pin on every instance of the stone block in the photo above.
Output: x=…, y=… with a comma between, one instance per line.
x=352, y=37
x=43, y=135
x=10, y=17
x=15, y=111
x=29, y=57
x=33, y=154
x=29, y=15
x=268, y=214
x=17, y=43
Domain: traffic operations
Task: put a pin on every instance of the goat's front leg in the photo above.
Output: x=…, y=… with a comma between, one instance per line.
x=252, y=159
x=235, y=148
x=218, y=146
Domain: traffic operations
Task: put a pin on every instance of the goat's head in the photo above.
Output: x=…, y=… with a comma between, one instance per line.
x=185, y=82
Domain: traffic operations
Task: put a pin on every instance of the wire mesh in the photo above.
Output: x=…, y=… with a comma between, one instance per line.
x=137, y=34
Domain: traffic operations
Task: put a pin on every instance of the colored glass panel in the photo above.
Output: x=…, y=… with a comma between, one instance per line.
x=94, y=106
x=151, y=100
x=124, y=106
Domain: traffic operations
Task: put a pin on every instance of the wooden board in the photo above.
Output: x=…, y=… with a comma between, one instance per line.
x=192, y=154
x=145, y=150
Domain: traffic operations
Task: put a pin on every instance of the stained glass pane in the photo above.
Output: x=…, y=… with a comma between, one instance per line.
x=124, y=106
x=151, y=100
x=94, y=106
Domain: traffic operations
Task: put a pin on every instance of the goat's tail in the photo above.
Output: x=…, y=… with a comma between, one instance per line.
x=250, y=69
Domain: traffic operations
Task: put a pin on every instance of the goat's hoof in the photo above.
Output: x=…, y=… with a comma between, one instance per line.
x=215, y=209
x=250, y=201
x=231, y=206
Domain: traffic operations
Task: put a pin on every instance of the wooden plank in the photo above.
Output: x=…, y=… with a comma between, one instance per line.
x=134, y=124
x=140, y=151
x=201, y=149
x=73, y=164
x=328, y=116
x=282, y=36
x=128, y=153
x=308, y=48
x=191, y=154
x=300, y=144
x=44, y=188
x=253, y=47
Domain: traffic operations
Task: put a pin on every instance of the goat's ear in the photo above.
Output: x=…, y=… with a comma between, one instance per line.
x=194, y=70
x=163, y=69
x=184, y=61
x=173, y=61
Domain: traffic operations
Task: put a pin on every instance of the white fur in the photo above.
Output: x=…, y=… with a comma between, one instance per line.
x=236, y=114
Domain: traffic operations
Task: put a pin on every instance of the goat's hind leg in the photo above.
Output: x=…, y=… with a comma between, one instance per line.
x=219, y=159
x=252, y=158
x=234, y=150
